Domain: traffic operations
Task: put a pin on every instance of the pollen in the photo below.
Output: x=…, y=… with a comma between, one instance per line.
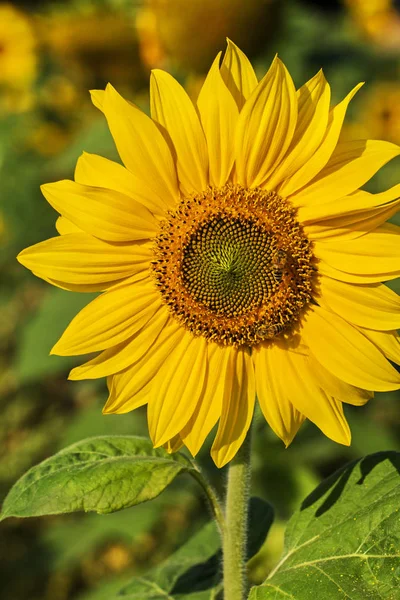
x=234, y=265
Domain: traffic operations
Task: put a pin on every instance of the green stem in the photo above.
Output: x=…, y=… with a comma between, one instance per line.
x=236, y=519
x=213, y=500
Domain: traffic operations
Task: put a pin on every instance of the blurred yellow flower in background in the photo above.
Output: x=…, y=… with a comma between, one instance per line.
x=60, y=110
x=168, y=30
x=237, y=257
x=379, y=114
x=85, y=45
x=93, y=44
x=18, y=59
x=60, y=94
x=48, y=138
x=378, y=20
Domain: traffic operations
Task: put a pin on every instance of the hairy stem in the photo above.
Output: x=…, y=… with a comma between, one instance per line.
x=213, y=500
x=236, y=520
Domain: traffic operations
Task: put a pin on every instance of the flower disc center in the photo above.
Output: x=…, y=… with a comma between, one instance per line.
x=234, y=265
x=228, y=265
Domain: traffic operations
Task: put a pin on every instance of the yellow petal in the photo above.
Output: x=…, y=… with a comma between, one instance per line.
x=346, y=353
x=177, y=389
x=351, y=165
x=321, y=156
x=113, y=407
x=104, y=213
x=238, y=74
x=64, y=226
x=351, y=226
x=97, y=171
x=174, y=444
x=280, y=414
x=119, y=357
x=110, y=319
x=355, y=203
x=75, y=287
x=141, y=146
x=374, y=256
x=237, y=408
x=131, y=386
x=172, y=108
x=265, y=127
x=374, y=306
x=326, y=269
x=97, y=97
x=303, y=390
x=218, y=115
x=313, y=112
x=81, y=259
x=336, y=388
x=208, y=409
x=388, y=342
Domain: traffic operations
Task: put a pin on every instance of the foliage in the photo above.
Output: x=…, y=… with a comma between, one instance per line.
x=101, y=474
x=344, y=540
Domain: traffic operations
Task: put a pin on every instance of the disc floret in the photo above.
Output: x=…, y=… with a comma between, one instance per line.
x=234, y=265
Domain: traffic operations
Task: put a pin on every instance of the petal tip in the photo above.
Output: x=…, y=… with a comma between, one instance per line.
x=60, y=349
x=75, y=374
x=97, y=97
x=21, y=257
x=222, y=456
x=54, y=352
x=230, y=43
x=110, y=89
x=45, y=188
x=25, y=258
x=287, y=442
x=56, y=187
x=158, y=75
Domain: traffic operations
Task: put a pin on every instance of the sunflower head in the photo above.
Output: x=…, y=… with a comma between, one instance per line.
x=237, y=258
x=234, y=265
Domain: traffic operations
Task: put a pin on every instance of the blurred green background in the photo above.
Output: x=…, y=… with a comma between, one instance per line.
x=51, y=54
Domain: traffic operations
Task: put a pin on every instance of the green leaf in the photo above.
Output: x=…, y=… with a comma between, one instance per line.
x=104, y=590
x=101, y=474
x=344, y=542
x=191, y=572
x=261, y=516
x=43, y=330
x=194, y=571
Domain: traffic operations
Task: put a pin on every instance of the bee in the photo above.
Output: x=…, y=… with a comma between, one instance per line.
x=279, y=262
x=268, y=332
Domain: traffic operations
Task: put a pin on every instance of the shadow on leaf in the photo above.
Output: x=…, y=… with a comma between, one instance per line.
x=338, y=480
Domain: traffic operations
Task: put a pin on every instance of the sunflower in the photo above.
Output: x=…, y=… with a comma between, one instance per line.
x=237, y=257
